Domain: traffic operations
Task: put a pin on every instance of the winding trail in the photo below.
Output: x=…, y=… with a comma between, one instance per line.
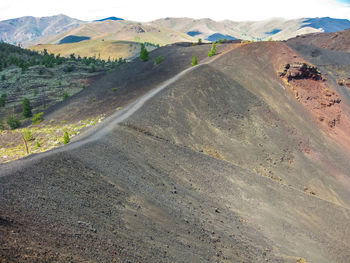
x=111, y=122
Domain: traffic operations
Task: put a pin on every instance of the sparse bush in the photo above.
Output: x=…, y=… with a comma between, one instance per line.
x=93, y=68
x=158, y=60
x=66, y=137
x=13, y=122
x=37, y=145
x=41, y=71
x=212, y=52
x=26, y=108
x=114, y=89
x=37, y=118
x=65, y=95
x=199, y=41
x=3, y=77
x=144, y=54
x=194, y=61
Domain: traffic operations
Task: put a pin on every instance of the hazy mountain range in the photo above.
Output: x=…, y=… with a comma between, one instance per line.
x=26, y=29
x=51, y=30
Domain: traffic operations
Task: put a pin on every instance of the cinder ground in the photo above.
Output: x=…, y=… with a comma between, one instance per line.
x=224, y=165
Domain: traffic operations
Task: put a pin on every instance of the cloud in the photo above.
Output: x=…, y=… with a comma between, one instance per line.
x=140, y=10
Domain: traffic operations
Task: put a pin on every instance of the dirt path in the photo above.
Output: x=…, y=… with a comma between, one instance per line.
x=102, y=129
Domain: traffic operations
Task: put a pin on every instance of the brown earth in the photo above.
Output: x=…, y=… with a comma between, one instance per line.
x=223, y=165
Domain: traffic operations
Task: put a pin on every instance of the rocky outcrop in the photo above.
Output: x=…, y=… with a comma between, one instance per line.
x=312, y=90
x=135, y=28
x=301, y=71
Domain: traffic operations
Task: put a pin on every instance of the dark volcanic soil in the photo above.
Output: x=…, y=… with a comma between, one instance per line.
x=224, y=165
x=339, y=41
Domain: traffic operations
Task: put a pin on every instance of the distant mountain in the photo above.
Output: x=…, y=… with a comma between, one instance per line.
x=26, y=29
x=113, y=18
x=327, y=24
x=110, y=30
x=277, y=28
x=29, y=31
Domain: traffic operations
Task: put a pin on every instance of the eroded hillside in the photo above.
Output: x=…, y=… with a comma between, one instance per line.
x=225, y=164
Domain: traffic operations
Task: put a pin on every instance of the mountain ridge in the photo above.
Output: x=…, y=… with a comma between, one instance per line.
x=28, y=31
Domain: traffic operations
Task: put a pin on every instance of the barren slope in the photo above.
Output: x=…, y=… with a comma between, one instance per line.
x=339, y=41
x=224, y=165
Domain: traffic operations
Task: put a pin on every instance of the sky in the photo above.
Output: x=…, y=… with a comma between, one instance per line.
x=147, y=10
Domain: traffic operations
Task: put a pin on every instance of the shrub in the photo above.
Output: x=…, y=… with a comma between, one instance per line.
x=144, y=54
x=199, y=41
x=65, y=95
x=26, y=108
x=69, y=68
x=194, y=61
x=93, y=68
x=66, y=137
x=158, y=60
x=41, y=71
x=212, y=52
x=13, y=122
x=37, y=118
x=3, y=77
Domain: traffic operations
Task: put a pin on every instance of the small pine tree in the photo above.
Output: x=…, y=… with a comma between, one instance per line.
x=144, y=54
x=158, y=60
x=26, y=108
x=212, y=51
x=194, y=61
x=3, y=100
x=27, y=135
x=66, y=137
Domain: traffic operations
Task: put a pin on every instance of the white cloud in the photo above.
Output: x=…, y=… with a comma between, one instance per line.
x=146, y=10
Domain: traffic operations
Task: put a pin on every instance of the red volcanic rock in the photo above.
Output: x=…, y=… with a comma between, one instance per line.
x=312, y=90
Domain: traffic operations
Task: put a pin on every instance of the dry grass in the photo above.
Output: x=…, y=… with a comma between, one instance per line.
x=45, y=137
x=99, y=48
